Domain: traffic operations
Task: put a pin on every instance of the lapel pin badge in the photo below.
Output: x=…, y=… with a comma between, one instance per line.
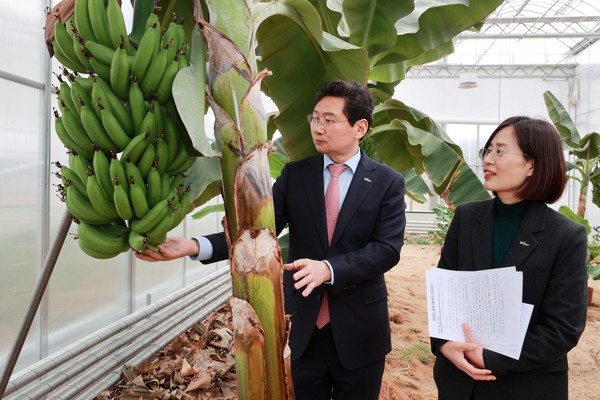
x=367, y=180
x=522, y=243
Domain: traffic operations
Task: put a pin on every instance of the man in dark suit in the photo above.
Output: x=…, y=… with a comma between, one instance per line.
x=340, y=278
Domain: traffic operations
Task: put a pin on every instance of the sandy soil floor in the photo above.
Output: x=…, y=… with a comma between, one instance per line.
x=408, y=372
x=199, y=363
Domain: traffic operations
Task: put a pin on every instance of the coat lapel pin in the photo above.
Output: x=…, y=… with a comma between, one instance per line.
x=367, y=180
x=522, y=243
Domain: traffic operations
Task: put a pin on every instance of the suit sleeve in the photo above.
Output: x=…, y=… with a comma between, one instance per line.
x=563, y=309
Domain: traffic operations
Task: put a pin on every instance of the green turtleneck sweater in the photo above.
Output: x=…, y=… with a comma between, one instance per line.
x=508, y=218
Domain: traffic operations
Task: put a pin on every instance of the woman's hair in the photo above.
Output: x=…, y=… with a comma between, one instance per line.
x=358, y=102
x=539, y=141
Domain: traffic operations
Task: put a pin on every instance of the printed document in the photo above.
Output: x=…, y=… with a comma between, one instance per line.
x=489, y=301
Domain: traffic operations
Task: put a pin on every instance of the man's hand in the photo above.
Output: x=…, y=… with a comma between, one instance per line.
x=311, y=273
x=174, y=247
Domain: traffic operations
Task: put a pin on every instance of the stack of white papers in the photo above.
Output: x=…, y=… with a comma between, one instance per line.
x=489, y=301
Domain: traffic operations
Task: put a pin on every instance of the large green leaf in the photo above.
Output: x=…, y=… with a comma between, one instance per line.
x=403, y=146
x=371, y=23
x=589, y=148
x=562, y=121
x=393, y=68
x=435, y=22
x=188, y=92
x=302, y=58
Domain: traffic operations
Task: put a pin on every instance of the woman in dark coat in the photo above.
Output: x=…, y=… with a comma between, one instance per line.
x=525, y=169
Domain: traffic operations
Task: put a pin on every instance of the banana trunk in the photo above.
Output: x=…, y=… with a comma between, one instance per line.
x=262, y=356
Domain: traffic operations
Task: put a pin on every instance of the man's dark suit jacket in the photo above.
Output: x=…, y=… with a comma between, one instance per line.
x=366, y=243
x=550, y=249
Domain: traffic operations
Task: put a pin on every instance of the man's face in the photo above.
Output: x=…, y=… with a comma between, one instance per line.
x=331, y=132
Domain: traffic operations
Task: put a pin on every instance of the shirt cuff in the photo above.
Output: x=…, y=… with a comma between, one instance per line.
x=206, y=249
x=330, y=270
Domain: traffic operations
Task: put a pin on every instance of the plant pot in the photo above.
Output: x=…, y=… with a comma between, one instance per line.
x=590, y=294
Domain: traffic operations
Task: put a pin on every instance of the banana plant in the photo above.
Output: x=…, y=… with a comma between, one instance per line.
x=584, y=151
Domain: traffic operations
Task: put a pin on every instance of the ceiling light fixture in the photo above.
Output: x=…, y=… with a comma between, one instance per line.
x=468, y=80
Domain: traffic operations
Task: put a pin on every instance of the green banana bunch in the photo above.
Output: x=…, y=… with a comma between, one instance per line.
x=124, y=181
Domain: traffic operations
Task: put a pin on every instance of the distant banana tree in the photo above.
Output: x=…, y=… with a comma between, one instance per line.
x=303, y=44
x=585, y=150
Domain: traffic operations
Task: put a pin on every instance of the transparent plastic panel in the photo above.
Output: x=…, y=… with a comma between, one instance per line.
x=23, y=45
x=21, y=172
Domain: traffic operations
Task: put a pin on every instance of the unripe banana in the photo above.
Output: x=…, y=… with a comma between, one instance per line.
x=119, y=72
x=155, y=72
x=75, y=130
x=101, y=165
x=95, y=131
x=135, y=148
x=82, y=209
x=154, y=186
x=113, y=128
x=132, y=172
x=101, y=69
x=165, y=185
x=147, y=159
x=182, y=162
x=165, y=86
x=64, y=137
x=104, y=238
x=80, y=165
x=82, y=20
x=122, y=202
x=161, y=154
x=150, y=121
x=87, y=248
x=137, y=241
x=63, y=48
x=100, y=52
x=137, y=105
x=70, y=178
x=99, y=21
x=102, y=204
x=64, y=94
x=80, y=96
x=117, y=172
x=151, y=218
x=171, y=137
x=77, y=48
x=116, y=25
x=158, y=233
x=137, y=195
x=117, y=106
x=148, y=47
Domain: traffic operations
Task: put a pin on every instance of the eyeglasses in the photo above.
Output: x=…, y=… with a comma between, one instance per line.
x=325, y=122
x=495, y=154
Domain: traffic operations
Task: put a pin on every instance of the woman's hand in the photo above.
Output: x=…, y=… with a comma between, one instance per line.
x=174, y=247
x=468, y=357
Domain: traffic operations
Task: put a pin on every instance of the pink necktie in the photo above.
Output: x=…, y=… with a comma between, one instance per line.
x=332, y=209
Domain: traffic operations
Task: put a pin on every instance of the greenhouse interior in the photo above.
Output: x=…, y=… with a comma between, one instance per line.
x=521, y=50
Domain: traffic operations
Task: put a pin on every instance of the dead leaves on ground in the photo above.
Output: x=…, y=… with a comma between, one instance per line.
x=197, y=365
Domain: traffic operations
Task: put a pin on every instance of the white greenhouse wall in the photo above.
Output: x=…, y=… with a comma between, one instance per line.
x=84, y=294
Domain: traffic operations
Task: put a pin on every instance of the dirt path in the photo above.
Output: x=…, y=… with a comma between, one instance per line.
x=408, y=378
